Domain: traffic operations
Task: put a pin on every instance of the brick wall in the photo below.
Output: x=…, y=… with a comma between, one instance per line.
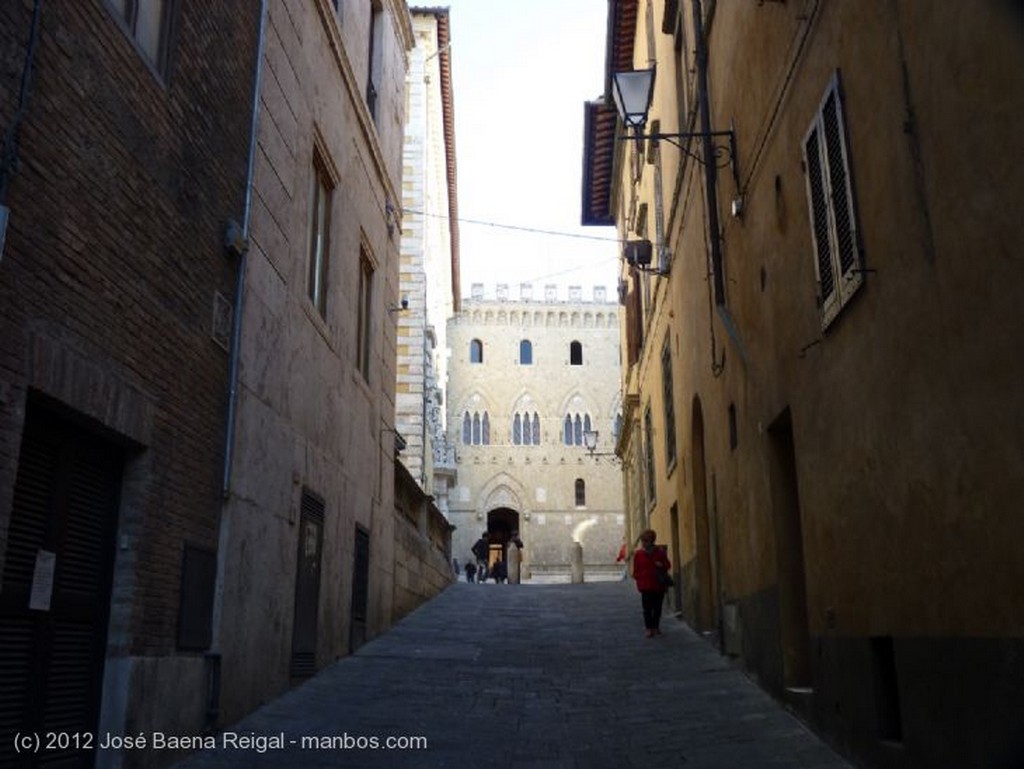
x=114, y=253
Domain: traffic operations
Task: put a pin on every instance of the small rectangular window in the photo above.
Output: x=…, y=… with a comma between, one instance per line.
x=319, y=236
x=195, y=610
x=667, y=396
x=376, y=59
x=364, y=320
x=649, y=458
x=148, y=22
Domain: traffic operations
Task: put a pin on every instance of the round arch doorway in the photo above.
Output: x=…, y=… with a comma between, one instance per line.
x=502, y=525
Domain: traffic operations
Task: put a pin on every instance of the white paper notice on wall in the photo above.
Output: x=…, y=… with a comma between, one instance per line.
x=42, y=580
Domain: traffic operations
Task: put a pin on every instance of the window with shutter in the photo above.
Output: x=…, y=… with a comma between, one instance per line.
x=831, y=206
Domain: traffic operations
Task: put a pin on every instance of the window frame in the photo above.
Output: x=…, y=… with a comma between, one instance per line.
x=375, y=60
x=667, y=391
x=575, y=353
x=525, y=352
x=652, y=487
x=319, y=248
x=476, y=351
x=364, y=319
x=580, y=492
x=831, y=202
x=127, y=16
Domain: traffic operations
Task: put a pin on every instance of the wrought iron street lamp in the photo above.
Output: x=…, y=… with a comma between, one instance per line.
x=632, y=92
x=590, y=443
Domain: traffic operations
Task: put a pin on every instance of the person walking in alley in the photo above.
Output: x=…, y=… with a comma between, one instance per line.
x=481, y=550
x=470, y=571
x=650, y=570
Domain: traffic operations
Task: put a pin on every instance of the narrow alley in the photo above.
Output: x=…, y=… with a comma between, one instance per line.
x=532, y=677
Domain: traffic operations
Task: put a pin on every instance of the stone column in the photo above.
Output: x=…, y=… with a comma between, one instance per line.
x=576, y=563
x=514, y=558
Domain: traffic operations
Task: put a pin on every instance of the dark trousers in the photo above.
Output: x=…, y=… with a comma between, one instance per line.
x=652, y=601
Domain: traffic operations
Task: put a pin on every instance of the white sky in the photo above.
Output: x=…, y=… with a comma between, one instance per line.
x=521, y=71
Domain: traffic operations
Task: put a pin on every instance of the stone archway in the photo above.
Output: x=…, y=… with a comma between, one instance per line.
x=502, y=523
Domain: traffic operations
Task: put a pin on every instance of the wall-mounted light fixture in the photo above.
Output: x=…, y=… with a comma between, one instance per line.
x=632, y=92
x=401, y=308
x=638, y=254
x=590, y=443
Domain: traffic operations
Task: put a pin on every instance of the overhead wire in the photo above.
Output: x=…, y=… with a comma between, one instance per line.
x=520, y=228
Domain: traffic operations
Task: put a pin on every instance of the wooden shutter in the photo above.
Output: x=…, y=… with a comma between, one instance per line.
x=824, y=272
x=66, y=499
x=844, y=221
x=831, y=204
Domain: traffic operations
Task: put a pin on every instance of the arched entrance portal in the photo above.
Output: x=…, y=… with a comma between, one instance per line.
x=502, y=523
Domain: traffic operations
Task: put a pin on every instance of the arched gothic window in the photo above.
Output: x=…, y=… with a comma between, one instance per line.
x=476, y=429
x=574, y=427
x=526, y=429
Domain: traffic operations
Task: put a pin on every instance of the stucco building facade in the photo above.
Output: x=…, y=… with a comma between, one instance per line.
x=821, y=376
x=526, y=377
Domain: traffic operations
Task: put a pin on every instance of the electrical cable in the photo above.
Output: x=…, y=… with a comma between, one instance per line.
x=519, y=228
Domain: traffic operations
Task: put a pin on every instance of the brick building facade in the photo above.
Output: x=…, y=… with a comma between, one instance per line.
x=122, y=164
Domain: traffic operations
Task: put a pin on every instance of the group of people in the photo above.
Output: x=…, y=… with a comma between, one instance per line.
x=480, y=568
x=650, y=569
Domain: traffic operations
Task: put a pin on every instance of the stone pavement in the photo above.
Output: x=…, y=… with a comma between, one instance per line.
x=532, y=677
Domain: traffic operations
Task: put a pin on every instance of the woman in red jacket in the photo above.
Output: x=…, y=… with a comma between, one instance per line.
x=650, y=563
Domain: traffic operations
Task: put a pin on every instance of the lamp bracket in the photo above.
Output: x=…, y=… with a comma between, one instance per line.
x=723, y=153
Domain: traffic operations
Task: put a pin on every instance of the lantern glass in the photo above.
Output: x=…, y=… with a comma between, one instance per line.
x=632, y=94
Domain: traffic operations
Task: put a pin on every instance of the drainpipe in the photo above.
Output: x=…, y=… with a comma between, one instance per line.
x=711, y=181
x=710, y=170
x=243, y=253
x=9, y=150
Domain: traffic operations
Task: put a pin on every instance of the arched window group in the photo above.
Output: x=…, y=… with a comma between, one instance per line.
x=574, y=427
x=526, y=429
x=476, y=429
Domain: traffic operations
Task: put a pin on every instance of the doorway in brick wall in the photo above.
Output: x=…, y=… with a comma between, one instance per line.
x=55, y=595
